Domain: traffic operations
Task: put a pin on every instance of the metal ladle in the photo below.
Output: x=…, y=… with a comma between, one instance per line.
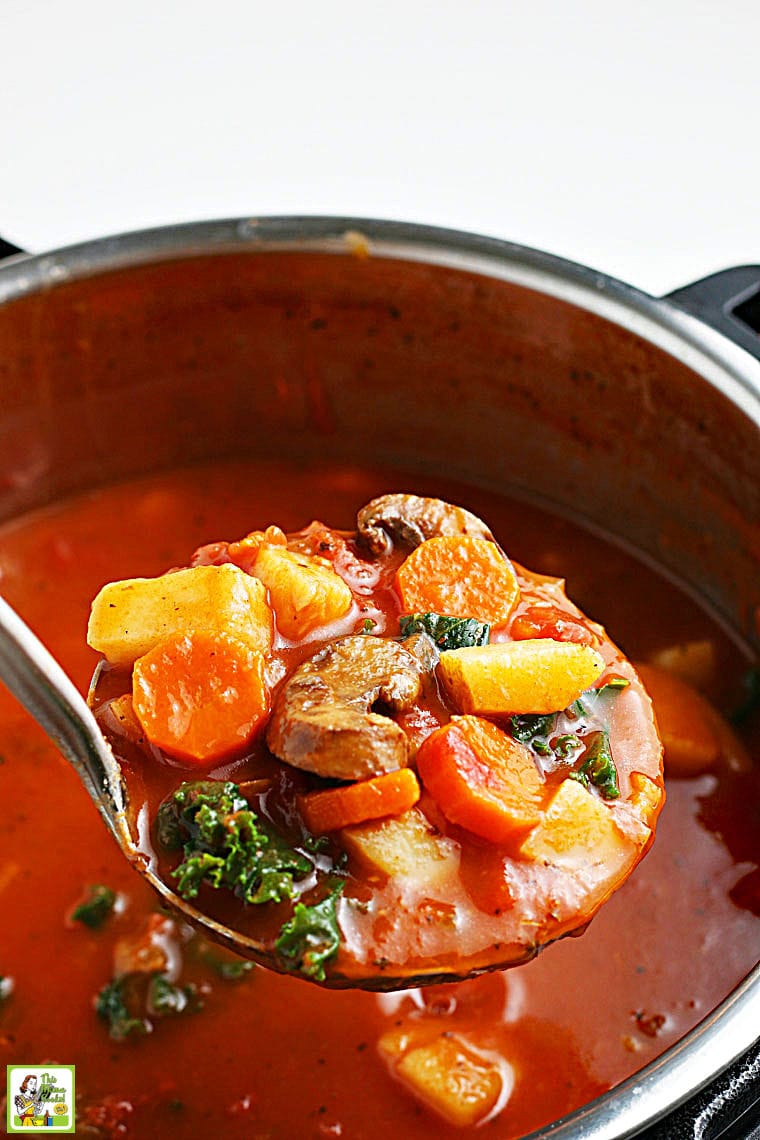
x=36, y=679
x=48, y=694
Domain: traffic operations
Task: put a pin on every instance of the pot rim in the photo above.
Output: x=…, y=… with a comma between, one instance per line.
x=726, y=1033
x=708, y=352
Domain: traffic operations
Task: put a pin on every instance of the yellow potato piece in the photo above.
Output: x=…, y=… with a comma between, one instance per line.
x=405, y=846
x=450, y=1078
x=129, y=618
x=693, y=661
x=538, y=675
x=577, y=831
x=305, y=592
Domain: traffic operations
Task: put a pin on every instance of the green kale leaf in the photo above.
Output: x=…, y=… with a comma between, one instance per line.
x=110, y=1005
x=226, y=845
x=231, y=971
x=96, y=908
x=528, y=727
x=447, y=632
x=598, y=767
x=166, y=999
x=537, y=729
x=311, y=937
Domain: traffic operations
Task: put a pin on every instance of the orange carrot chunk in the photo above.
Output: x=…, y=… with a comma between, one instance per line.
x=390, y=794
x=200, y=696
x=688, y=724
x=458, y=575
x=482, y=779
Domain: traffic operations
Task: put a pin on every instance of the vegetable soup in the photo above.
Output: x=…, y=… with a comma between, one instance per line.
x=169, y=1032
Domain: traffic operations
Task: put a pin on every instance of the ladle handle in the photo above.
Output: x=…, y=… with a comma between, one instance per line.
x=36, y=679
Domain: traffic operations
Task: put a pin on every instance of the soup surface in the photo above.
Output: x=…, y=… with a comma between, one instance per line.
x=231, y=1051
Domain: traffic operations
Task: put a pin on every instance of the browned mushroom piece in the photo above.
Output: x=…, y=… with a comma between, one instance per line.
x=411, y=519
x=323, y=719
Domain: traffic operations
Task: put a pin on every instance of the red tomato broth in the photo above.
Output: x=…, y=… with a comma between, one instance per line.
x=268, y=1055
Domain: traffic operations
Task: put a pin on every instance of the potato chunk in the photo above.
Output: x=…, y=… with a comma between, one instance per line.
x=405, y=846
x=129, y=618
x=305, y=591
x=449, y=1077
x=576, y=831
x=538, y=675
x=695, y=662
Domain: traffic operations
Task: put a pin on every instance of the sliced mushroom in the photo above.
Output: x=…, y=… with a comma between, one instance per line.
x=411, y=519
x=424, y=650
x=323, y=720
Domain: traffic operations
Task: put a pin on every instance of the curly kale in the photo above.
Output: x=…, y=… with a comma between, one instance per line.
x=598, y=767
x=111, y=1006
x=226, y=845
x=129, y=1003
x=96, y=908
x=447, y=632
x=311, y=937
x=529, y=728
x=540, y=732
x=166, y=999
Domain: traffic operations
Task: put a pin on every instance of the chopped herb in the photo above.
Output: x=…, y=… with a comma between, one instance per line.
x=536, y=729
x=528, y=727
x=224, y=963
x=598, y=767
x=96, y=908
x=447, y=632
x=542, y=747
x=368, y=625
x=225, y=845
x=577, y=708
x=567, y=746
x=110, y=1005
x=311, y=937
x=165, y=999
x=232, y=971
x=614, y=685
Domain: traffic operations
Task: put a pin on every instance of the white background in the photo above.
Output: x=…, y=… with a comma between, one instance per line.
x=623, y=135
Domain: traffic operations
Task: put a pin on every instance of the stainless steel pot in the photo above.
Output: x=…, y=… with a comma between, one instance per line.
x=425, y=349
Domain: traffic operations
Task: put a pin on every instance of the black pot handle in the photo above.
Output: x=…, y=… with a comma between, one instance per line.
x=729, y=301
x=8, y=249
x=728, y=1109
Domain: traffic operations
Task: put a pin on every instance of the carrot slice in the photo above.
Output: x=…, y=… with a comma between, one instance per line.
x=201, y=696
x=688, y=724
x=482, y=779
x=390, y=794
x=460, y=576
